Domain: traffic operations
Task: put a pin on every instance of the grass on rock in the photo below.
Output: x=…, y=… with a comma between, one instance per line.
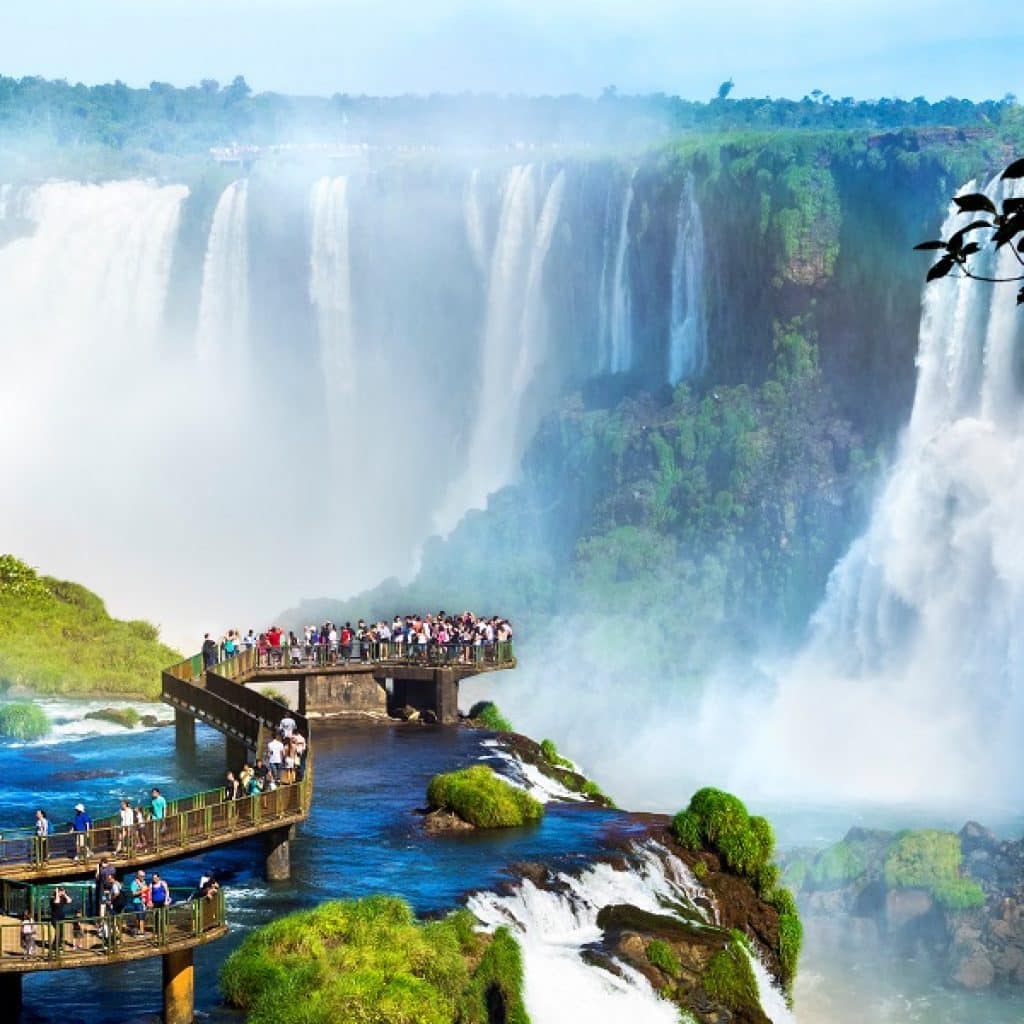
x=23, y=721
x=483, y=798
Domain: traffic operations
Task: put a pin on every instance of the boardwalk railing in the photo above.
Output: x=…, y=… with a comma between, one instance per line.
x=384, y=653
x=190, y=822
x=82, y=940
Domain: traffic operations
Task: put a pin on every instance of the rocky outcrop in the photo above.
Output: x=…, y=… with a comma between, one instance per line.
x=972, y=929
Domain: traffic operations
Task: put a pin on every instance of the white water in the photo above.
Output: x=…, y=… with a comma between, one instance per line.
x=527, y=776
x=514, y=345
x=476, y=229
x=912, y=687
x=620, y=328
x=330, y=288
x=224, y=303
x=687, y=352
x=69, y=724
x=553, y=927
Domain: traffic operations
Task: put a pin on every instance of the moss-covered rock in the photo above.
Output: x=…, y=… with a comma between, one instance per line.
x=483, y=798
x=930, y=859
x=729, y=980
x=23, y=721
x=127, y=717
x=370, y=960
x=487, y=715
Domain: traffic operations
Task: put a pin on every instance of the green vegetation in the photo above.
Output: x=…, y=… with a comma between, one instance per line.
x=930, y=859
x=729, y=978
x=128, y=717
x=836, y=866
x=719, y=821
x=663, y=956
x=57, y=638
x=551, y=755
x=486, y=714
x=23, y=722
x=370, y=961
x=483, y=798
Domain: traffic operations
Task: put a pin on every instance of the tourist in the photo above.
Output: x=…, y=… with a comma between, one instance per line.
x=59, y=903
x=298, y=746
x=160, y=895
x=126, y=817
x=80, y=825
x=140, y=897
x=208, y=887
x=209, y=651
x=28, y=934
x=249, y=640
x=141, y=842
x=42, y=827
x=106, y=876
x=232, y=789
x=286, y=727
x=78, y=931
x=158, y=809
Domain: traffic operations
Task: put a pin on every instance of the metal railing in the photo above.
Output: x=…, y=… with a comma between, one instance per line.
x=385, y=653
x=77, y=938
x=190, y=822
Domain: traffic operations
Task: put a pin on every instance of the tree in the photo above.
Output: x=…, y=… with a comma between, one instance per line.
x=1004, y=227
x=725, y=88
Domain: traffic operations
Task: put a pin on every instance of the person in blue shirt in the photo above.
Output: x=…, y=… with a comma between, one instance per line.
x=80, y=825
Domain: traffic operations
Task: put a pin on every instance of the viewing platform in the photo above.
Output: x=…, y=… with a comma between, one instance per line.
x=426, y=678
x=171, y=932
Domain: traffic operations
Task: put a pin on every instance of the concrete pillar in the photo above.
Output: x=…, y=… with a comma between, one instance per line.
x=278, y=855
x=10, y=994
x=184, y=731
x=179, y=987
x=446, y=696
x=236, y=753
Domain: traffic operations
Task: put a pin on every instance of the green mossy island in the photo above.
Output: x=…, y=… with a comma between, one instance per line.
x=481, y=797
x=487, y=715
x=56, y=638
x=23, y=721
x=371, y=961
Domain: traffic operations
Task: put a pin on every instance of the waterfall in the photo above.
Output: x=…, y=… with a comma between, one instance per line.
x=912, y=685
x=476, y=230
x=553, y=926
x=330, y=287
x=620, y=326
x=224, y=301
x=687, y=350
x=515, y=340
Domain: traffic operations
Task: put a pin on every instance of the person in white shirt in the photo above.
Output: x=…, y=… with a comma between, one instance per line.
x=275, y=757
x=127, y=819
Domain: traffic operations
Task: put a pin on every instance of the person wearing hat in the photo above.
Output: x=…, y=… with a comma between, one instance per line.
x=80, y=825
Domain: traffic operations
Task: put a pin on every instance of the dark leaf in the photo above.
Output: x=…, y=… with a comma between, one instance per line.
x=1020, y=245
x=1014, y=205
x=1020, y=297
x=974, y=202
x=970, y=249
x=1015, y=170
x=941, y=269
x=956, y=240
x=1005, y=232
x=931, y=245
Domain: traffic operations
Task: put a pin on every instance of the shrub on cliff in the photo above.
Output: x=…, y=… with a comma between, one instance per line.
x=23, y=722
x=370, y=960
x=729, y=978
x=486, y=714
x=719, y=821
x=930, y=859
x=483, y=798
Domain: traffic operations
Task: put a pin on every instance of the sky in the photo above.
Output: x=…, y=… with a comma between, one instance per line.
x=861, y=48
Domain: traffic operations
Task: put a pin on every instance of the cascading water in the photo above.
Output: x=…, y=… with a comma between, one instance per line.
x=620, y=326
x=912, y=686
x=515, y=339
x=687, y=350
x=224, y=302
x=330, y=287
x=555, y=925
x=476, y=229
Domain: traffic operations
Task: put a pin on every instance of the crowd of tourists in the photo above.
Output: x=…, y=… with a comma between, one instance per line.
x=440, y=638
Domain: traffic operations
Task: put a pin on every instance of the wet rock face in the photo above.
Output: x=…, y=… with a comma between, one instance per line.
x=445, y=821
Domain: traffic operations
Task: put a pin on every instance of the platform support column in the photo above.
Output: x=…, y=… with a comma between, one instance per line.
x=179, y=987
x=446, y=696
x=184, y=731
x=10, y=994
x=278, y=854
